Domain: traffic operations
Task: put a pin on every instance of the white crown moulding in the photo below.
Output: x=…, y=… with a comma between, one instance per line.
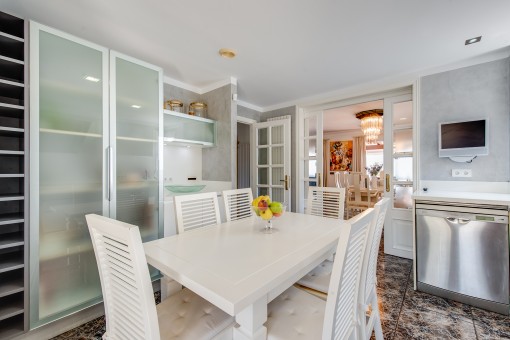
x=199, y=90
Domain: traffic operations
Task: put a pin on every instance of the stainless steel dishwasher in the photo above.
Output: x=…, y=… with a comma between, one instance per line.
x=462, y=253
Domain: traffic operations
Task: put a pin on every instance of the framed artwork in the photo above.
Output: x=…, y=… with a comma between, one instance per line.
x=340, y=155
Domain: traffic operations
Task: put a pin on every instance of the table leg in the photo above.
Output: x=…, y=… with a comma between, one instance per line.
x=251, y=321
x=169, y=287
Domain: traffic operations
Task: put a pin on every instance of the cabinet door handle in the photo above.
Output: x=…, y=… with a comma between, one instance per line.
x=319, y=179
x=109, y=173
x=387, y=182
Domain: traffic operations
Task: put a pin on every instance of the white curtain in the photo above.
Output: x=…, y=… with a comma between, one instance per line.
x=359, y=154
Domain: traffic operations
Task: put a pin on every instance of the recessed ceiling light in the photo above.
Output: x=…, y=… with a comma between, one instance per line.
x=473, y=40
x=135, y=106
x=90, y=78
x=227, y=53
x=403, y=118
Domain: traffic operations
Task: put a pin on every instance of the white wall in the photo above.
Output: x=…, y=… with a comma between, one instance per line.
x=181, y=162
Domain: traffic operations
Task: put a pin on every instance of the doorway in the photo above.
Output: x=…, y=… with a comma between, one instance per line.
x=243, y=155
x=393, y=149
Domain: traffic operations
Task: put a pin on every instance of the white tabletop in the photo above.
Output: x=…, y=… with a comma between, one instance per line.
x=233, y=265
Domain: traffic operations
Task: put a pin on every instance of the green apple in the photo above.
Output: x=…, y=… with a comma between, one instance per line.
x=276, y=208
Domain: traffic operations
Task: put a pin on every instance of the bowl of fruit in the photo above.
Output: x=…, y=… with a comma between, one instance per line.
x=267, y=210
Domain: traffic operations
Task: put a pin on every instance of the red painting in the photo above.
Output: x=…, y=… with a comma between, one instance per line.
x=340, y=155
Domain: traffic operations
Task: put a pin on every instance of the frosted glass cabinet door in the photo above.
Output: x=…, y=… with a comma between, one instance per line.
x=136, y=114
x=68, y=123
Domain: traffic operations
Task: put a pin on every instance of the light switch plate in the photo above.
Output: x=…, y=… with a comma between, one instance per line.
x=462, y=173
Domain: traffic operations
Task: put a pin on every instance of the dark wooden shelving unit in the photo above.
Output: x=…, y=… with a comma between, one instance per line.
x=13, y=182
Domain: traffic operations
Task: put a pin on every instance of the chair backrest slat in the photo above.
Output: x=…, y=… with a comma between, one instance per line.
x=238, y=204
x=368, y=279
x=196, y=211
x=125, y=281
x=342, y=303
x=326, y=202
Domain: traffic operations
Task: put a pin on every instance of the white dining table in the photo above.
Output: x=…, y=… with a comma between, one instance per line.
x=240, y=269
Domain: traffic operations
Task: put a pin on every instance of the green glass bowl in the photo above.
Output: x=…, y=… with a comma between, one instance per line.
x=180, y=189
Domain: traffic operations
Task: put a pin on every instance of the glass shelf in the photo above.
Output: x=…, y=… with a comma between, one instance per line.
x=183, y=129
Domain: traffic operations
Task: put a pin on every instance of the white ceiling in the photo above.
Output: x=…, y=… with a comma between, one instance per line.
x=344, y=118
x=287, y=49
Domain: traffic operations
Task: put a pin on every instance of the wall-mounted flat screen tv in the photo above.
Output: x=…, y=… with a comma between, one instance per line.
x=465, y=138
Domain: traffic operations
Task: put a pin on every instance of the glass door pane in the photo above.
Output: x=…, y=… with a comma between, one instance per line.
x=402, y=154
x=272, y=162
x=138, y=113
x=312, y=155
x=67, y=143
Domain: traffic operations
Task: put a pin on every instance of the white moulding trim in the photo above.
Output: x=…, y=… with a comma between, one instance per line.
x=218, y=84
x=199, y=90
x=245, y=120
x=250, y=106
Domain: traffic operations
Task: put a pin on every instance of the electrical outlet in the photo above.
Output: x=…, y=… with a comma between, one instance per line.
x=462, y=173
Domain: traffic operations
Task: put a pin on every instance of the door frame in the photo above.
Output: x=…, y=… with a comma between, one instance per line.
x=249, y=122
x=355, y=97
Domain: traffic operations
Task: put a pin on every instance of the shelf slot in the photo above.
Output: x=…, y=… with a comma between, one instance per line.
x=11, y=92
x=11, y=261
x=11, y=111
x=11, y=165
x=12, y=283
x=12, y=47
x=12, y=26
x=10, y=240
x=12, y=218
x=11, y=305
x=11, y=327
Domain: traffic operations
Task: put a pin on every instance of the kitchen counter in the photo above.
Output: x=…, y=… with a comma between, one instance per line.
x=463, y=197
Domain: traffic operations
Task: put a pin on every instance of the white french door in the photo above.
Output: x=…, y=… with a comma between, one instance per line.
x=399, y=175
x=310, y=168
x=270, y=156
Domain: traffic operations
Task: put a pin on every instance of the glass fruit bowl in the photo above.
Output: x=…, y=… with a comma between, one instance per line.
x=267, y=210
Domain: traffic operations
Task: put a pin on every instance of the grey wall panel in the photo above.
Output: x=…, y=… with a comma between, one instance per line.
x=217, y=162
x=248, y=113
x=472, y=92
x=185, y=96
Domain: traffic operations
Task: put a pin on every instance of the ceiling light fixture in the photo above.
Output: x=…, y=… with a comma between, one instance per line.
x=227, y=53
x=371, y=124
x=90, y=78
x=473, y=40
x=135, y=106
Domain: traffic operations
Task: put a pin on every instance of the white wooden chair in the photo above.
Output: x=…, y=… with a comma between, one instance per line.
x=326, y=202
x=295, y=314
x=355, y=200
x=368, y=293
x=238, y=204
x=130, y=310
x=196, y=211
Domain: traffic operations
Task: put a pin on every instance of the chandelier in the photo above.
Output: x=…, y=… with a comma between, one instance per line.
x=371, y=124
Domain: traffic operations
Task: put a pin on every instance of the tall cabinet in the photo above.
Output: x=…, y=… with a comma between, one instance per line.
x=13, y=250
x=96, y=146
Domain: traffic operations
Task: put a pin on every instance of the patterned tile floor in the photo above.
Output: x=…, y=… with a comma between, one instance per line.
x=405, y=313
